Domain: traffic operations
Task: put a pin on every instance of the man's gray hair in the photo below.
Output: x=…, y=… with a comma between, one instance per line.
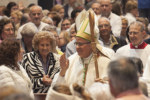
x=123, y=74
x=137, y=23
x=29, y=29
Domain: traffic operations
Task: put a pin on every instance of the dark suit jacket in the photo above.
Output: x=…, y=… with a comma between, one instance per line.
x=66, y=7
x=117, y=42
x=147, y=41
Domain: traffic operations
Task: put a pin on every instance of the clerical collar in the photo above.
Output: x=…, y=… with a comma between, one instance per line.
x=141, y=46
x=86, y=60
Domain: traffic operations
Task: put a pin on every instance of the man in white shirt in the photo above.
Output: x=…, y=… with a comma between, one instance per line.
x=137, y=48
x=36, y=16
x=115, y=20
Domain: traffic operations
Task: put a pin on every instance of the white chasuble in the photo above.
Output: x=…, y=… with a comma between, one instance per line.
x=75, y=71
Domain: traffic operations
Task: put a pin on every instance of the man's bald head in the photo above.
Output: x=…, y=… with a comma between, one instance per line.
x=105, y=6
x=36, y=15
x=96, y=8
x=109, y=1
x=104, y=27
x=104, y=19
x=35, y=7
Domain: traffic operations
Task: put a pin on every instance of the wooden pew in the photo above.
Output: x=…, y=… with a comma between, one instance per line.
x=40, y=96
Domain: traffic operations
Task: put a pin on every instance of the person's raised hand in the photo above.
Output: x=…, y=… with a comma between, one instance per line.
x=64, y=64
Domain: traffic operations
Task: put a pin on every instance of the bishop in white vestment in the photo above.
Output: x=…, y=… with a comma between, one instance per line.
x=81, y=68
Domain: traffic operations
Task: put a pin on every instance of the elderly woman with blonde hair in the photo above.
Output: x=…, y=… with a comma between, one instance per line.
x=53, y=30
x=27, y=33
x=42, y=64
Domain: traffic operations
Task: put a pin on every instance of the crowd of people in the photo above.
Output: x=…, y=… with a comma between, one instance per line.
x=77, y=50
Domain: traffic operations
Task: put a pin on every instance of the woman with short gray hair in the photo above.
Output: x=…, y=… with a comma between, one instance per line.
x=28, y=33
x=47, y=20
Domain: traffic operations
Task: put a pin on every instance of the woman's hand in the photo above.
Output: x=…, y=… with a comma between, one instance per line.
x=46, y=80
x=99, y=80
x=64, y=64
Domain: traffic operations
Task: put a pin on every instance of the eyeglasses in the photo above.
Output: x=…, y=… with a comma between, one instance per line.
x=80, y=44
x=134, y=33
x=101, y=26
x=65, y=24
x=8, y=30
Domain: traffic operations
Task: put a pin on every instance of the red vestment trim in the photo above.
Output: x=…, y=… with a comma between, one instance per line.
x=141, y=46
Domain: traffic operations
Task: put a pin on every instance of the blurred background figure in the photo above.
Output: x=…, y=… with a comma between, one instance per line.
x=72, y=4
x=145, y=23
x=65, y=92
x=11, y=72
x=116, y=8
x=66, y=23
x=36, y=16
x=74, y=14
x=99, y=90
x=11, y=6
x=144, y=8
x=1, y=11
x=96, y=9
x=124, y=28
x=123, y=80
x=72, y=31
x=7, y=29
x=16, y=18
x=55, y=17
x=21, y=5
x=64, y=39
x=131, y=11
x=8, y=90
x=59, y=9
x=42, y=64
x=47, y=20
x=53, y=30
x=18, y=96
x=27, y=33
x=25, y=19
x=45, y=12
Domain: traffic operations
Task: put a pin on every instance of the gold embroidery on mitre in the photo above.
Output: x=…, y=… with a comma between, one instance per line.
x=81, y=33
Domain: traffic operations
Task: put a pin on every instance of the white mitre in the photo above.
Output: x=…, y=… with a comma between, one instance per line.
x=83, y=28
